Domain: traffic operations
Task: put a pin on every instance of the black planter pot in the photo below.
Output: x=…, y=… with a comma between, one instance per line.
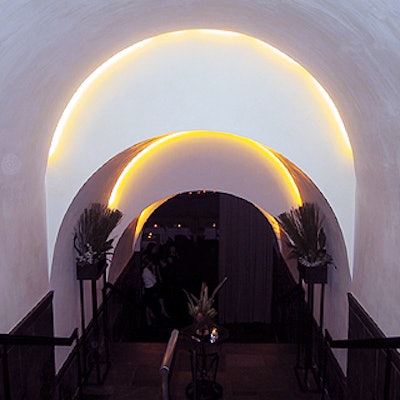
x=93, y=271
x=317, y=274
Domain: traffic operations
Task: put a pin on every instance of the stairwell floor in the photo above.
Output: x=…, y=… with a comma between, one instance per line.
x=247, y=371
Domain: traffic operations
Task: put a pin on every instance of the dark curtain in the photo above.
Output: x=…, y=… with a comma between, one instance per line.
x=246, y=240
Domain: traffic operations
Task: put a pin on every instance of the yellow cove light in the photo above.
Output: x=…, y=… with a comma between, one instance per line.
x=156, y=145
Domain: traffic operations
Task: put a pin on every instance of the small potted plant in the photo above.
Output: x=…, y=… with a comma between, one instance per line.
x=202, y=308
x=91, y=239
x=305, y=237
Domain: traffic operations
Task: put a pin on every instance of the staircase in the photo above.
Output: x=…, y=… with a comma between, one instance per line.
x=247, y=371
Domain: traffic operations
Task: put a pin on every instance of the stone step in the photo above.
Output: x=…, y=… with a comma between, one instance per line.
x=246, y=371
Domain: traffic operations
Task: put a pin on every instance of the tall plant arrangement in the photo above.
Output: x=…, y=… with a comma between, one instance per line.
x=91, y=238
x=203, y=305
x=304, y=235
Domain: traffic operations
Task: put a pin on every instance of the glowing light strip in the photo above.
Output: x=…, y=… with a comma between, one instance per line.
x=285, y=172
x=135, y=160
x=115, y=193
x=84, y=87
x=117, y=57
x=329, y=102
x=335, y=113
x=277, y=52
x=219, y=32
x=271, y=219
x=144, y=216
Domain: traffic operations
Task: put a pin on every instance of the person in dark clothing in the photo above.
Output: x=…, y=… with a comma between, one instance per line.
x=153, y=296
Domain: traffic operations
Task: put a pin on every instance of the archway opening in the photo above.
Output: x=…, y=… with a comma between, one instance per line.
x=203, y=236
x=240, y=167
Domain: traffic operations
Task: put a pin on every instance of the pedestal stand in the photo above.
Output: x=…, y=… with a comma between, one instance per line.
x=95, y=347
x=305, y=367
x=204, y=347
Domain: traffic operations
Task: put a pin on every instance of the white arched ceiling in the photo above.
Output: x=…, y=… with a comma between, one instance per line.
x=48, y=50
x=204, y=160
x=201, y=79
x=212, y=161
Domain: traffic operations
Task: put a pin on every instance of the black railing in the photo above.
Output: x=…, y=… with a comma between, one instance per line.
x=369, y=343
x=287, y=313
x=120, y=293
x=295, y=292
x=28, y=340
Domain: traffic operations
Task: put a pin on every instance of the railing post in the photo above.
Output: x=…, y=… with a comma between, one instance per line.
x=194, y=373
x=78, y=360
x=324, y=363
x=371, y=343
x=105, y=321
x=83, y=329
x=388, y=372
x=34, y=340
x=6, y=374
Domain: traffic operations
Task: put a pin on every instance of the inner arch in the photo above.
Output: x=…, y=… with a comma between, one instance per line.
x=188, y=145
x=199, y=160
x=201, y=80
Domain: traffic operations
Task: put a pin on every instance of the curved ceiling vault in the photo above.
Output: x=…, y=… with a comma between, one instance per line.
x=214, y=161
x=142, y=177
x=204, y=160
x=200, y=80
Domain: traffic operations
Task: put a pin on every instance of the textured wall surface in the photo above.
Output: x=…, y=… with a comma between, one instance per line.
x=47, y=49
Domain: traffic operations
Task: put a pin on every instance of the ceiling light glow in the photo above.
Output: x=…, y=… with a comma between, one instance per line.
x=156, y=145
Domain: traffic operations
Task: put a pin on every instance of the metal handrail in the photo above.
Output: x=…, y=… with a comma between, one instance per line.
x=10, y=339
x=166, y=363
x=7, y=339
x=122, y=294
x=368, y=343
x=296, y=290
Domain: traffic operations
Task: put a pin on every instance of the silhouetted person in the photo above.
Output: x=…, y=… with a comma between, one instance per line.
x=153, y=297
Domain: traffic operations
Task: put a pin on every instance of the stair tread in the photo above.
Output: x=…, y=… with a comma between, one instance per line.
x=246, y=371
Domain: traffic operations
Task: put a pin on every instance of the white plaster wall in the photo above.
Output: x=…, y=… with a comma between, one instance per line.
x=190, y=162
x=212, y=162
x=202, y=80
x=339, y=276
x=203, y=160
x=48, y=48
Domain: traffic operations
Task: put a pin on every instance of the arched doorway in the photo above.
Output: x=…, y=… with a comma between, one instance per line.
x=215, y=235
x=207, y=160
x=72, y=166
